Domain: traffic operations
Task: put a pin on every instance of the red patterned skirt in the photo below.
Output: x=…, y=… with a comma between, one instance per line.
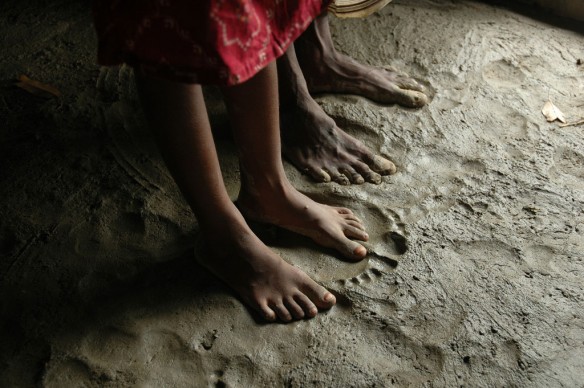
x=222, y=42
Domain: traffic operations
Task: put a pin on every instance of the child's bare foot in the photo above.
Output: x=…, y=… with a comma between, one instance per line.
x=268, y=284
x=313, y=142
x=278, y=203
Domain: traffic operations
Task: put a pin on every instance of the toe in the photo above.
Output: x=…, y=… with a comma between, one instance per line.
x=353, y=232
x=319, y=295
x=373, y=177
x=309, y=308
x=357, y=225
x=360, y=251
x=340, y=178
x=382, y=165
x=318, y=174
x=413, y=99
x=342, y=210
x=351, y=217
x=353, y=175
x=366, y=171
x=267, y=313
x=351, y=249
x=411, y=84
x=282, y=312
x=294, y=308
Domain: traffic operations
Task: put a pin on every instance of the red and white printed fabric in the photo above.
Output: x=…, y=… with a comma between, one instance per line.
x=222, y=42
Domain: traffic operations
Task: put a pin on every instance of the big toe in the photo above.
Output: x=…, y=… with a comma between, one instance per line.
x=318, y=295
x=350, y=249
x=357, y=250
x=383, y=166
x=412, y=98
x=411, y=84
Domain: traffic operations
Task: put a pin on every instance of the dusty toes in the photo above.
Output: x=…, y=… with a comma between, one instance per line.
x=353, y=176
x=412, y=98
x=407, y=98
x=339, y=178
x=318, y=174
x=411, y=84
x=368, y=174
x=408, y=91
x=404, y=80
x=382, y=165
x=374, y=167
x=373, y=177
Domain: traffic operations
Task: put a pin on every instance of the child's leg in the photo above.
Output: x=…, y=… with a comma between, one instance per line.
x=266, y=195
x=267, y=283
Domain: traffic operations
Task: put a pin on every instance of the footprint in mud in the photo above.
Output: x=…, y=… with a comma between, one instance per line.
x=451, y=94
x=387, y=242
x=570, y=162
x=502, y=121
x=503, y=74
x=381, y=259
x=375, y=350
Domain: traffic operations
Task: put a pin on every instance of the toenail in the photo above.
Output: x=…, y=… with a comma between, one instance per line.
x=329, y=297
x=360, y=251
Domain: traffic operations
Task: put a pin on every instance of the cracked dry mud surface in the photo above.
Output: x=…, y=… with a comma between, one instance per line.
x=476, y=275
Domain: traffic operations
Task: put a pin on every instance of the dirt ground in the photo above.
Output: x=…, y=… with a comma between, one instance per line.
x=477, y=273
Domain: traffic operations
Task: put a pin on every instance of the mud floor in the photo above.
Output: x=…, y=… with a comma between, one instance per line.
x=477, y=273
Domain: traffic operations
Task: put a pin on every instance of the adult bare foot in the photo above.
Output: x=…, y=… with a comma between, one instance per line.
x=265, y=282
x=328, y=71
x=278, y=203
x=313, y=142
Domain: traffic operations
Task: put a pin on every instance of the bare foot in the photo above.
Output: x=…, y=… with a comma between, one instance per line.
x=313, y=142
x=284, y=206
x=328, y=71
x=345, y=75
x=265, y=282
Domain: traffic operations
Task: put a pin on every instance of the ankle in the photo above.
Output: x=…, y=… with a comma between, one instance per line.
x=265, y=188
x=217, y=223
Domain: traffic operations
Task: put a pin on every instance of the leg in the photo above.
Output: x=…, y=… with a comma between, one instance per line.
x=326, y=70
x=264, y=281
x=313, y=142
x=266, y=194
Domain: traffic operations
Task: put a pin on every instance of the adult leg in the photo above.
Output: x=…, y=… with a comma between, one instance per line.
x=177, y=114
x=326, y=70
x=313, y=142
x=266, y=194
